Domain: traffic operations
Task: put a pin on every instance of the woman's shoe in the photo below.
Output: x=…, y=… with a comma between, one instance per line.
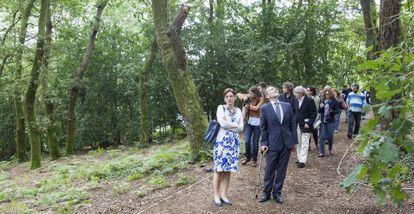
x=331, y=154
x=217, y=203
x=321, y=155
x=226, y=202
x=245, y=161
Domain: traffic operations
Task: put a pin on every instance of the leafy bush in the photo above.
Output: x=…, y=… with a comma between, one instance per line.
x=384, y=148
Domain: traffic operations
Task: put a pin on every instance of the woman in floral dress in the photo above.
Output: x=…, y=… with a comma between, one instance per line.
x=226, y=149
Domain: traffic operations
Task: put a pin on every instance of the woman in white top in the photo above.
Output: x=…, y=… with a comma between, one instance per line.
x=226, y=149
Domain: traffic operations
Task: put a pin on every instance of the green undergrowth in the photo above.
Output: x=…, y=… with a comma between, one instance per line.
x=71, y=182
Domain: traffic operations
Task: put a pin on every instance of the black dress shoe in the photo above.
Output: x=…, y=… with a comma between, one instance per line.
x=278, y=199
x=264, y=199
x=226, y=202
x=301, y=165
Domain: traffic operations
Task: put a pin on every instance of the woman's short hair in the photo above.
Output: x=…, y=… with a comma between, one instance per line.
x=256, y=91
x=288, y=85
x=262, y=84
x=299, y=90
x=227, y=90
x=313, y=90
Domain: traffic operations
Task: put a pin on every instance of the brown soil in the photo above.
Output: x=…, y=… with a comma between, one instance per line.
x=313, y=189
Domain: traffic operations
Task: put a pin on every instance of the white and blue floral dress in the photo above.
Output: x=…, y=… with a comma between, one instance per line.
x=227, y=147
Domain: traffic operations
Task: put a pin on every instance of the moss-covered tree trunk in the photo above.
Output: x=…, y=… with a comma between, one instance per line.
x=34, y=133
x=74, y=91
x=174, y=59
x=52, y=143
x=145, y=132
x=18, y=94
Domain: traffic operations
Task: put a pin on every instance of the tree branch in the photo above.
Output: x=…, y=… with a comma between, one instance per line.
x=14, y=22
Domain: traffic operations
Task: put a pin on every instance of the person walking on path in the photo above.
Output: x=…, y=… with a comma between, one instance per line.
x=279, y=137
x=288, y=96
x=312, y=93
x=328, y=107
x=355, y=102
x=305, y=116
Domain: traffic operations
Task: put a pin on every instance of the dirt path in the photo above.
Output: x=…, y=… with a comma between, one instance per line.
x=314, y=189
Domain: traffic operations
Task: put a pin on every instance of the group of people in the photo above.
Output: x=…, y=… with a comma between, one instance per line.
x=282, y=122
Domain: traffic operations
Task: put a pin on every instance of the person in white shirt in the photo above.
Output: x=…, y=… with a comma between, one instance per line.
x=227, y=147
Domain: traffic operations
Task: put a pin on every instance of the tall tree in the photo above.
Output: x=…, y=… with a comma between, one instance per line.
x=18, y=96
x=145, y=133
x=74, y=91
x=175, y=61
x=34, y=132
x=390, y=28
x=49, y=106
x=389, y=23
x=369, y=12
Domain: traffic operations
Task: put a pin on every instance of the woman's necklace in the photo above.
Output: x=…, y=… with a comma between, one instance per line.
x=232, y=110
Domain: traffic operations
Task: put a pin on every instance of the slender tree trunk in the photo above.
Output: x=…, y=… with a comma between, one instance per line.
x=369, y=12
x=18, y=94
x=15, y=20
x=74, y=91
x=49, y=106
x=211, y=11
x=34, y=132
x=174, y=59
x=145, y=133
x=389, y=37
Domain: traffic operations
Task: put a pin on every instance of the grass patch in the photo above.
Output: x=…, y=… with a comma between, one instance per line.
x=141, y=193
x=122, y=188
x=135, y=176
x=86, y=173
x=184, y=180
x=16, y=207
x=97, y=153
x=158, y=182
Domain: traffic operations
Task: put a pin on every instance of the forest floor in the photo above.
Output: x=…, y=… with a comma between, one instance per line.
x=184, y=188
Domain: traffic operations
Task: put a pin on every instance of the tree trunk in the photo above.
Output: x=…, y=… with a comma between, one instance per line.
x=145, y=134
x=390, y=37
x=34, y=132
x=211, y=11
x=49, y=106
x=370, y=21
x=74, y=92
x=389, y=23
x=369, y=12
x=18, y=101
x=174, y=59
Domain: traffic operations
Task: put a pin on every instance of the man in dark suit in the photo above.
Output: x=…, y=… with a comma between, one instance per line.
x=305, y=116
x=278, y=126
